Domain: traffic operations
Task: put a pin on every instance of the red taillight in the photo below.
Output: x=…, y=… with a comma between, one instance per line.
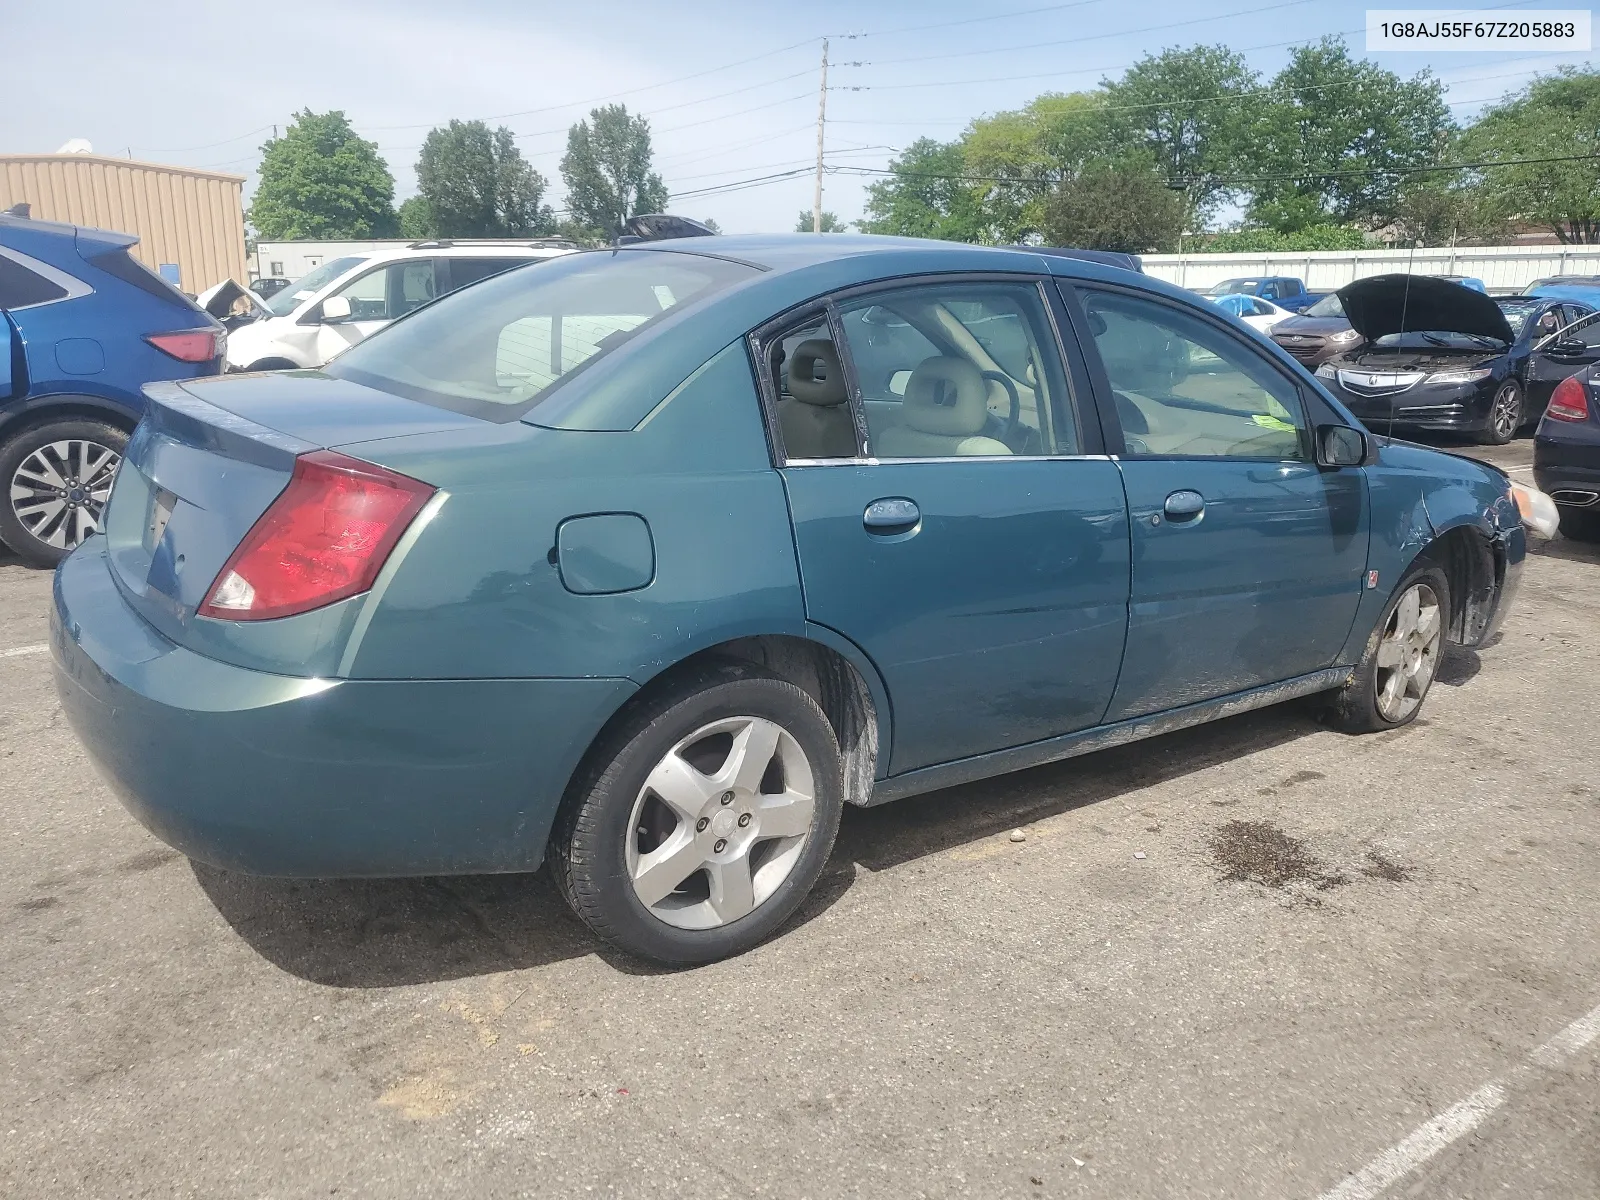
x=324, y=538
x=191, y=345
x=1568, y=402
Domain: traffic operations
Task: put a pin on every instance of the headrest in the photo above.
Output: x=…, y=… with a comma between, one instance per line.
x=946, y=396
x=815, y=376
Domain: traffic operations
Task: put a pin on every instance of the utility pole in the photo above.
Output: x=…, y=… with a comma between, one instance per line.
x=822, y=121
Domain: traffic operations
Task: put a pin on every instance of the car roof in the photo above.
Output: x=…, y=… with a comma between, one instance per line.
x=448, y=249
x=785, y=252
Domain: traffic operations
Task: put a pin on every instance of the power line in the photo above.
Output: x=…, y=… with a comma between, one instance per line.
x=1046, y=181
x=528, y=112
x=1093, y=37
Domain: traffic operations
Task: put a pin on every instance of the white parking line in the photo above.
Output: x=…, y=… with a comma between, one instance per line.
x=19, y=651
x=1400, y=1160
x=1514, y=470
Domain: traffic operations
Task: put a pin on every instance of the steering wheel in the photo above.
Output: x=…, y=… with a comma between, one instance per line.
x=1015, y=419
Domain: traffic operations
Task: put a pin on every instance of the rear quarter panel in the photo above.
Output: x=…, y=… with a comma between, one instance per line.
x=480, y=595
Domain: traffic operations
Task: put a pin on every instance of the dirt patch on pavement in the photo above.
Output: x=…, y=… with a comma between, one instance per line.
x=1260, y=852
x=1381, y=867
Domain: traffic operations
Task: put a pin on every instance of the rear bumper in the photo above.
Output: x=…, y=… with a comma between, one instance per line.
x=276, y=775
x=1569, y=484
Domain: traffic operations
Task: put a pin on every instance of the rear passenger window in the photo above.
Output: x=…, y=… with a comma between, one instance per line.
x=469, y=270
x=1184, y=387
x=20, y=287
x=814, y=414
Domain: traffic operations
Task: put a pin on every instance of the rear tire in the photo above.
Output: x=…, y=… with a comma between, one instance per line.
x=55, y=478
x=1581, y=525
x=1398, y=666
x=751, y=788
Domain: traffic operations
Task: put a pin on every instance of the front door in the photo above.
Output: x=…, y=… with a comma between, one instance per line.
x=1248, y=559
x=1579, y=346
x=376, y=298
x=969, y=547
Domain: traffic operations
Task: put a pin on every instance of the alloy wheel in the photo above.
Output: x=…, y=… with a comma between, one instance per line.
x=1507, y=411
x=1408, y=652
x=59, y=492
x=720, y=823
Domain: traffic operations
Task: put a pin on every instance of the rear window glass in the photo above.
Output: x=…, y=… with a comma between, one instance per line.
x=124, y=266
x=20, y=287
x=498, y=348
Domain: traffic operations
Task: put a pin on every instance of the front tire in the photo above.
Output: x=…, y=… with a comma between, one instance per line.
x=1402, y=655
x=1505, y=415
x=703, y=820
x=55, y=479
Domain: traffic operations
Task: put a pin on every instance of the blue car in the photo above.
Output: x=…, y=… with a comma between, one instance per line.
x=645, y=562
x=86, y=327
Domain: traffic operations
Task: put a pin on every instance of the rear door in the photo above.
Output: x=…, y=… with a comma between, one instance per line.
x=953, y=513
x=1247, y=557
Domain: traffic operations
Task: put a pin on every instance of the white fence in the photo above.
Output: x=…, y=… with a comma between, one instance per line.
x=1502, y=268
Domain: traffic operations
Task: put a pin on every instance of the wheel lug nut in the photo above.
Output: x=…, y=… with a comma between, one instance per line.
x=700, y=825
x=727, y=797
x=744, y=819
x=722, y=844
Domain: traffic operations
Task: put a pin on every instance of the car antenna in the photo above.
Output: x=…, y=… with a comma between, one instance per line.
x=1405, y=300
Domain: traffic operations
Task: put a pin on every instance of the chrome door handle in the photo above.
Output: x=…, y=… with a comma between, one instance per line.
x=1184, y=505
x=891, y=516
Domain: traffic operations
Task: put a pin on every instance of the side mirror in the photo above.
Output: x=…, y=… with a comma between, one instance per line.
x=1342, y=446
x=1567, y=348
x=335, y=309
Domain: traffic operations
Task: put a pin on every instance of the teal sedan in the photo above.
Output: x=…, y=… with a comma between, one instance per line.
x=642, y=563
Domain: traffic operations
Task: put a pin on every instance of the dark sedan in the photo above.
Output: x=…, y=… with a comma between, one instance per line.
x=1317, y=334
x=1566, y=447
x=1446, y=358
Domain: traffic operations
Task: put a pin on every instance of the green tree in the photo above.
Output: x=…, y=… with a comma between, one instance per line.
x=830, y=223
x=476, y=183
x=1262, y=241
x=926, y=195
x=322, y=180
x=416, y=219
x=1020, y=156
x=607, y=169
x=1448, y=208
x=1195, y=113
x=1339, y=137
x=1115, y=206
x=1554, y=116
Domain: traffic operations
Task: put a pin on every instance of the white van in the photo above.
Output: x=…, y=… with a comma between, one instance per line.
x=346, y=299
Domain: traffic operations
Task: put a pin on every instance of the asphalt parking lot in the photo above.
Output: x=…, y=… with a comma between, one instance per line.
x=1256, y=958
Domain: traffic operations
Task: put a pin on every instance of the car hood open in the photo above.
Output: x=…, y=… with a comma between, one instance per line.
x=1385, y=304
x=218, y=300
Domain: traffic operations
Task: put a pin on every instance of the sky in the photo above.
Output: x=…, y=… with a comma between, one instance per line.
x=731, y=90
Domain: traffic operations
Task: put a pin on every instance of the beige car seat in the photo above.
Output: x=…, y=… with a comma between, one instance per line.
x=946, y=406
x=816, y=422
